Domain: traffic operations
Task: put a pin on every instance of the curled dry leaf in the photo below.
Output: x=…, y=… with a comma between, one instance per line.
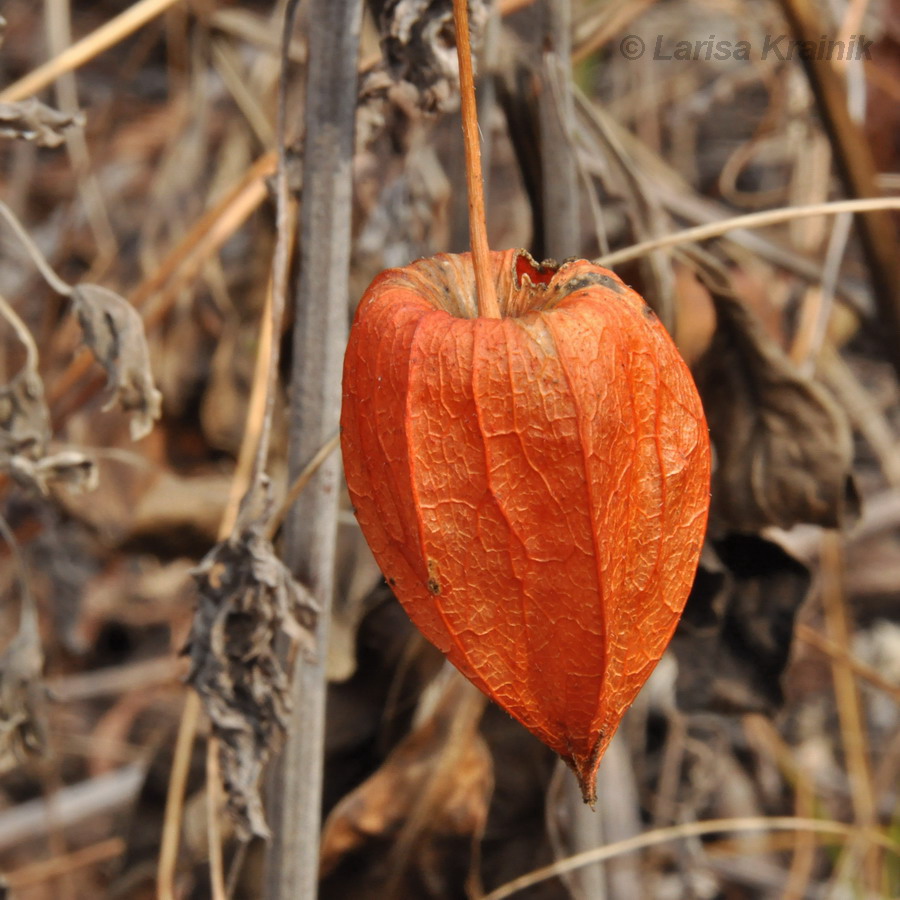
x=32, y=120
x=25, y=428
x=248, y=605
x=733, y=642
x=420, y=48
x=114, y=332
x=419, y=72
x=784, y=447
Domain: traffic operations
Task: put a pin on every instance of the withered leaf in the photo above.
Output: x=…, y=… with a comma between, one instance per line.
x=25, y=428
x=784, y=447
x=114, y=332
x=733, y=641
x=69, y=467
x=248, y=604
x=32, y=120
x=420, y=51
x=24, y=417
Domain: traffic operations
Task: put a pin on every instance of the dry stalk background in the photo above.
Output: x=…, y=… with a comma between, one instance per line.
x=164, y=384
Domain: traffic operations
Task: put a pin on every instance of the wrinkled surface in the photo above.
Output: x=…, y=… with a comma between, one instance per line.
x=249, y=607
x=114, y=332
x=534, y=488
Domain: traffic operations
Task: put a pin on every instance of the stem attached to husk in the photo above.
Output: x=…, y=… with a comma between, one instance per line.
x=484, y=280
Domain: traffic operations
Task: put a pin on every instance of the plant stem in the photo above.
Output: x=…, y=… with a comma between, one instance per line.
x=106, y=36
x=320, y=336
x=481, y=254
x=556, y=109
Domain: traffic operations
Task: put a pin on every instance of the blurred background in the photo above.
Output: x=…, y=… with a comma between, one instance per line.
x=145, y=176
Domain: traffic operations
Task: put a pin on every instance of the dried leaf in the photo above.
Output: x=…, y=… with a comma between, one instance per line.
x=248, y=605
x=32, y=120
x=24, y=417
x=419, y=72
x=784, y=447
x=69, y=467
x=25, y=427
x=420, y=48
x=734, y=638
x=115, y=334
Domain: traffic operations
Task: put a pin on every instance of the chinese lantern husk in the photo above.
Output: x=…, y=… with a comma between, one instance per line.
x=534, y=487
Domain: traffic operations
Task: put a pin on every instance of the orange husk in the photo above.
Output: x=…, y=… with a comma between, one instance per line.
x=534, y=487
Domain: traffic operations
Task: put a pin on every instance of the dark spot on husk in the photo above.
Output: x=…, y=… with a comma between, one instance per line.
x=589, y=279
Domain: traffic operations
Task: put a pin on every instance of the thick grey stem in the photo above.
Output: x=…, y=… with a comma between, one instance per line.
x=320, y=334
x=562, y=222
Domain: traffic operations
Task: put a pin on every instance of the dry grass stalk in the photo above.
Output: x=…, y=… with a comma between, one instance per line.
x=86, y=49
x=871, y=837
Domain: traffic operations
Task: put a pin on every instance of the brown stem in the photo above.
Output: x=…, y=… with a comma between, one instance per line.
x=481, y=254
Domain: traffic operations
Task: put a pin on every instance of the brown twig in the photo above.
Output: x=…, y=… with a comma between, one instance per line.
x=765, y=738
x=213, y=823
x=837, y=652
x=854, y=736
x=277, y=297
x=86, y=49
x=171, y=830
x=59, y=866
x=481, y=254
x=184, y=261
x=599, y=25
x=110, y=680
